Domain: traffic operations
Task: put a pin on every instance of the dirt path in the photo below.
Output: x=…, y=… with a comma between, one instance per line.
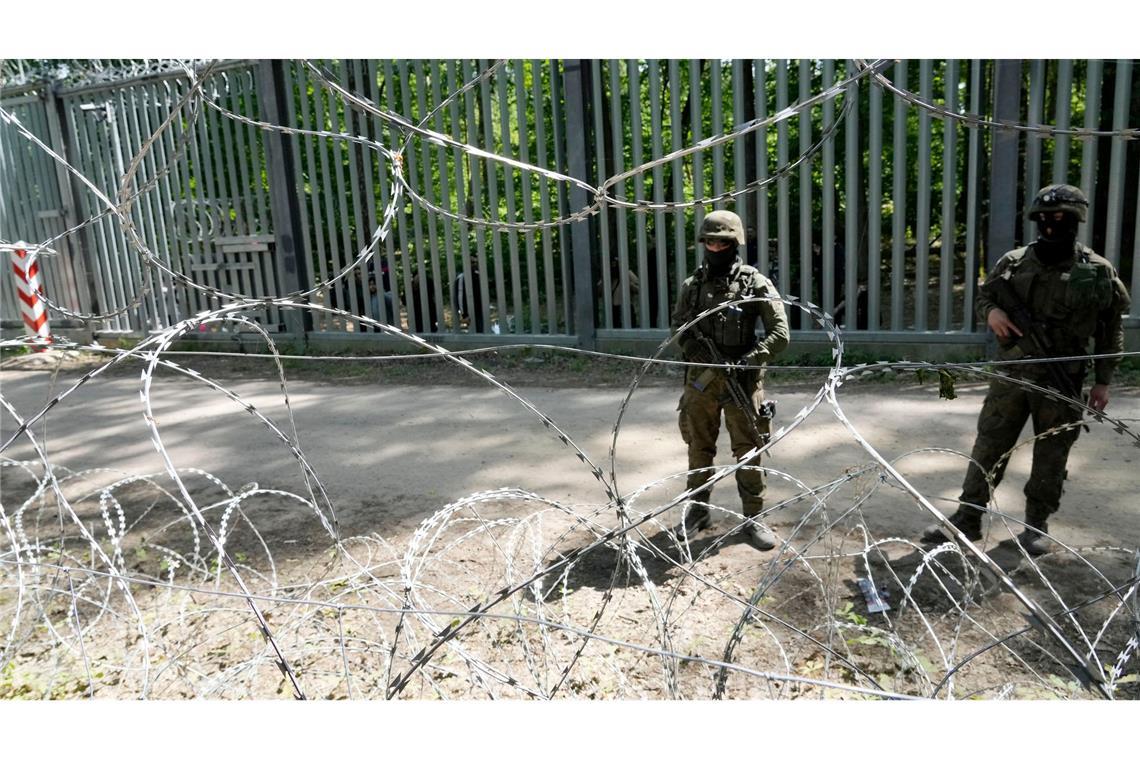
x=391, y=457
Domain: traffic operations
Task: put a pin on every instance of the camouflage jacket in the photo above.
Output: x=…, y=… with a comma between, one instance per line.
x=1078, y=300
x=733, y=329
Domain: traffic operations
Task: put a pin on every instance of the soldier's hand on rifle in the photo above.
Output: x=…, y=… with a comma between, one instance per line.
x=1098, y=397
x=1001, y=324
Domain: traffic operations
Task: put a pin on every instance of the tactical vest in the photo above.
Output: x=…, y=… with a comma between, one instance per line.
x=732, y=329
x=1066, y=301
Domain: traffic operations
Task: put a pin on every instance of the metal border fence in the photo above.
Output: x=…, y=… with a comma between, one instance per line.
x=883, y=204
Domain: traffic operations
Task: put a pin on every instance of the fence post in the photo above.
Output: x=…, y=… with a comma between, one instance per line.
x=583, y=281
x=1003, y=162
x=284, y=204
x=83, y=274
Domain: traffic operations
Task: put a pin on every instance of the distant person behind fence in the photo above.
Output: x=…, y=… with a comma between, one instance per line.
x=473, y=311
x=1050, y=298
x=617, y=296
x=419, y=306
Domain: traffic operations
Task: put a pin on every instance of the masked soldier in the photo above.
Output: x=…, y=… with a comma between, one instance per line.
x=732, y=334
x=1074, y=296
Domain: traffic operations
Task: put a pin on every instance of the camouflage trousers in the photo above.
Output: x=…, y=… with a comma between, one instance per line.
x=1003, y=415
x=700, y=414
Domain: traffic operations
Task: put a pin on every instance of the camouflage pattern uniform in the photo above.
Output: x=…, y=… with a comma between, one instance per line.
x=733, y=331
x=1075, y=299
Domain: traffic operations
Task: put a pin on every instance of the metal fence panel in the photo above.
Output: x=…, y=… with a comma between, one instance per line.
x=202, y=205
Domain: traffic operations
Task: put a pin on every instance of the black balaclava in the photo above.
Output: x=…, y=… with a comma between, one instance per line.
x=1056, y=238
x=720, y=262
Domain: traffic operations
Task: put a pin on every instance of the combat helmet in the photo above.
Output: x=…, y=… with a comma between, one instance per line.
x=1059, y=198
x=723, y=225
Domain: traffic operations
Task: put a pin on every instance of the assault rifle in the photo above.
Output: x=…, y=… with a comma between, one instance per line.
x=1031, y=329
x=736, y=392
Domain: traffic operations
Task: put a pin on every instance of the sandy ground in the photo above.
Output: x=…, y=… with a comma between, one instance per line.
x=391, y=457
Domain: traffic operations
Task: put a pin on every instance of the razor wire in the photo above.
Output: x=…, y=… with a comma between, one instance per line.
x=369, y=619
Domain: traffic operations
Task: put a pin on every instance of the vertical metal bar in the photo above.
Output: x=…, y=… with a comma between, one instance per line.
x=148, y=172
x=146, y=203
x=541, y=159
x=413, y=289
x=604, y=217
x=101, y=162
x=1035, y=114
x=328, y=232
x=58, y=275
x=922, y=221
x=223, y=195
x=853, y=160
x=975, y=169
x=365, y=79
x=716, y=84
x=176, y=182
x=827, y=240
x=341, y=154
x=512, y=237
x=100, y=159
x=445, y=195
x=783, y=211
x=560, y=232
x=131, y=140
x=575, y=72
x=696, y=113
x=430, y=221
x=253, y=138
x=1116, y=164
x=661, y=318
x=618, y=165
x=195, y=192
x=947, y=222
x=544, y=199
x=759, y=81
x=310, y=236
x=425, y=282
x=136, y=281
x=238, y=163
x=739, y=152
x=805, y=199
x=898, y=202
x=161, y=109
x=1003, y=161
x=676, y=140
x=77, y=254
x=99, y=285
x=474, y=201
x=378, y=165
x=533, y=293
x=273, y=88
x=1064, y=107
x=634, y=78
x=493, y=187
x=1088, y=149
x=140, y=284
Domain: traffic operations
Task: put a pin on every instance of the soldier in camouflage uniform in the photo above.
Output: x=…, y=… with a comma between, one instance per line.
x=1075, y=296
x=723, y=278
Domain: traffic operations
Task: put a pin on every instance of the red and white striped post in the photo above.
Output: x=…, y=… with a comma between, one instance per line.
x=26, y=271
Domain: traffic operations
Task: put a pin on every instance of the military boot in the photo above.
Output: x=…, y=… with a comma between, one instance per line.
x=760, y=537
x=966, y=519
x=1035, y=538
x=696, y=519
